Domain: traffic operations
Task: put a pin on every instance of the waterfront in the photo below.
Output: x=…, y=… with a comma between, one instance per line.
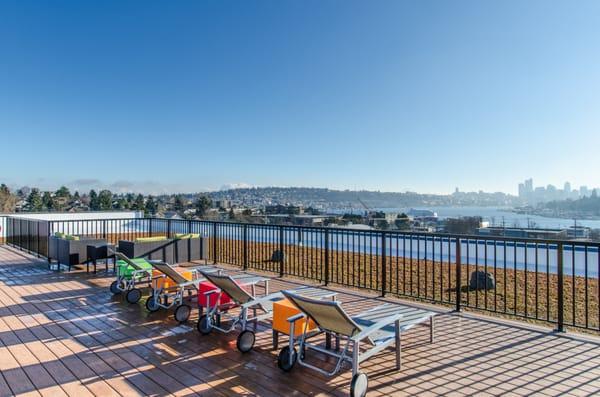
x=499, y=216
x=577, y=259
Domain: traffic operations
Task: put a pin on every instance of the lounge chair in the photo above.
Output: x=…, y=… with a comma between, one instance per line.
x=378, y=328
x=166, y=297
x=238, y=297
x=170, y=293
x=130, y=274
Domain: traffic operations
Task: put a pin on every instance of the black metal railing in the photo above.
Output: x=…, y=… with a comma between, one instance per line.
x=545, y=280
x=28, y=234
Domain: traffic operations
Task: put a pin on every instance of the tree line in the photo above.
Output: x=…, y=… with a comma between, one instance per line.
x=34, y=200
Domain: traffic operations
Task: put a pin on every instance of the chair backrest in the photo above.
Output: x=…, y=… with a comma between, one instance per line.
x=125, y=259
x=229, y=286
x=169, y=271
x=328, y=315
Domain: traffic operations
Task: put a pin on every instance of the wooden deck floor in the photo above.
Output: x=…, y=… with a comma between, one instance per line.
x=64, y=334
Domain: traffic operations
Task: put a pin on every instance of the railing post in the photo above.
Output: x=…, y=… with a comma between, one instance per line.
x=168, y=228
x=281, y=255
x=47, y=239
x=560, y=326
x=383, y=264
x=245, y=241
x=27, y=241
x=104, y=234
x=326, y=256
x=12, y=232
x=21, y=234
x=189, y=226
x=50, y=228
x=37, y=248
x=150, y=227
x=458, y=274
x=214, y=241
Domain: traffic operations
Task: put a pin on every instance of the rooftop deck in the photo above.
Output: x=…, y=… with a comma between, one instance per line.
x=65, y=334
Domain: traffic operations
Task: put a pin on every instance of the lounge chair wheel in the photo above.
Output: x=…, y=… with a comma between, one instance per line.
x=358, y=387
x=203, y=326
x=283, y=360
x=245, y=341
x=114, y=288
x=182, y=313
x=152, y=304
x=133, y=295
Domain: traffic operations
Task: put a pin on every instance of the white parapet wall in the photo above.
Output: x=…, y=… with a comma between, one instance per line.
x=74, y=217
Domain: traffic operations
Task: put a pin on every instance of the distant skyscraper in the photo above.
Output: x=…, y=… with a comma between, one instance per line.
x=529, y=185
x=567, y=187
x=522, y=190
x=583, y=191
x=526, y=189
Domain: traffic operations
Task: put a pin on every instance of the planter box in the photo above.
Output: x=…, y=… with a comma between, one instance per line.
x=70, y=252
x=171, y=251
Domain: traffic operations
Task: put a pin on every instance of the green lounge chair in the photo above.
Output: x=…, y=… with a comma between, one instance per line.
x=130, y=274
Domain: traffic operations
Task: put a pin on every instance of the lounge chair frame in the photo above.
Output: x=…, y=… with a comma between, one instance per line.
x=241, y=299
x=253, y=308
x=377, y=335
x=129, y=284
x=173, y=296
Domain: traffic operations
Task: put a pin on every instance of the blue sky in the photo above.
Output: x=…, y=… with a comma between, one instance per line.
x=386, y=95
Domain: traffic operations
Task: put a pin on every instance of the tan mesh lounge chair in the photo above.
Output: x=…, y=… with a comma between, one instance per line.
x=261, y=307
x=169, y=297
x=166, y=297
x=378, y=328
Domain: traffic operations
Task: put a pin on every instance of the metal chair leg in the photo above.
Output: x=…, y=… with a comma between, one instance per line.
x=398, y=345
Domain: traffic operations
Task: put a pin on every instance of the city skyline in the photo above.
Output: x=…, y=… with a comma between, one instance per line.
x=119, y=187
x=534, y=194
x=391, y=96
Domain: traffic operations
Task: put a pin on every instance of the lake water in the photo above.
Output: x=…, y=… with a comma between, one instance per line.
x=541, y=257
x=580, y=261
x=500, y=216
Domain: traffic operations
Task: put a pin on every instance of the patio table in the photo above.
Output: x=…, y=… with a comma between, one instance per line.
x=100, y=251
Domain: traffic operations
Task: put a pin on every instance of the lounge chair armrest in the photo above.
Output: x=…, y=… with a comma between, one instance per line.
x=377, y=326
x=251, y=281
x=159, y=276
x=296, y=317
x=258, y=301
x=141, y=272
x=157, y=262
